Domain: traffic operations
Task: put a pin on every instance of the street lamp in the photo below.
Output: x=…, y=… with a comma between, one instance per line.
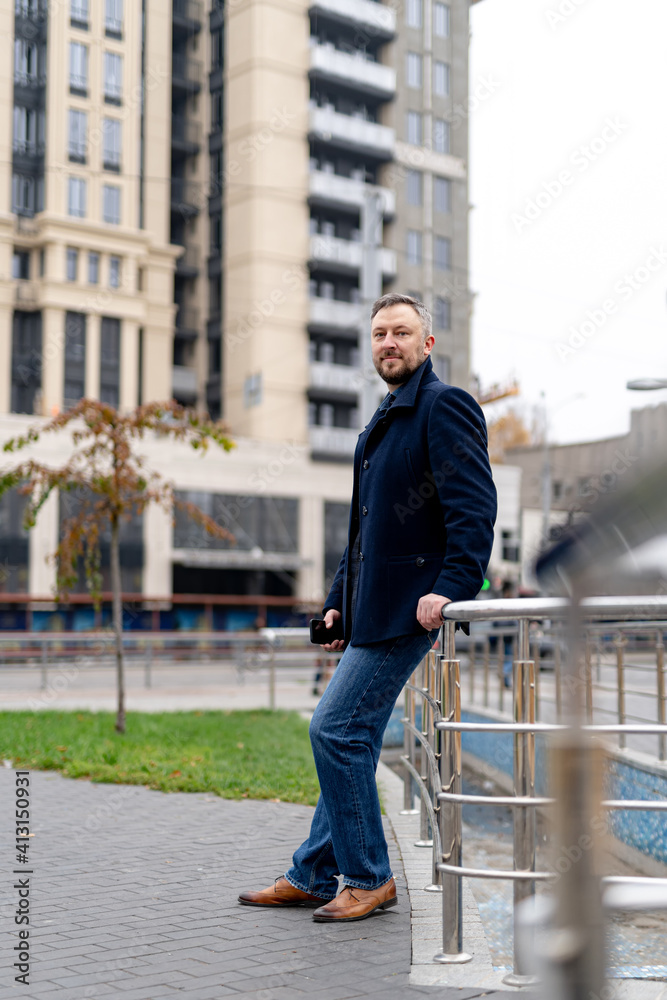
x=647, y=383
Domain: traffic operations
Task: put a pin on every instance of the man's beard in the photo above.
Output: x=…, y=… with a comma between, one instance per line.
x=399, y=373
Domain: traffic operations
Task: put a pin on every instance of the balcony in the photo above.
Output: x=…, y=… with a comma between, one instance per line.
x=184, y=383
x=187, y=197
x=26, y=294
x=329, y=315
x=187, y=322
x=185, y=136
x=187, y=16
x=375, y=20
x=186, y=74
x=345, y=193
x=344, y=256
x=187, y=265
x=334, y=443
x=352, y=71
x=355, y=134
x=30, y=20
x=342, y=380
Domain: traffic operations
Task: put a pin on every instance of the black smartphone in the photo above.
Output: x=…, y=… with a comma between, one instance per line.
x=321, y=635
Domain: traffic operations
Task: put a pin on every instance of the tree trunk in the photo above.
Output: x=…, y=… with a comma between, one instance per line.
x=118, y=625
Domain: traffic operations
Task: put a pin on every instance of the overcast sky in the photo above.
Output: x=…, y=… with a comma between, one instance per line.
x=568, y=183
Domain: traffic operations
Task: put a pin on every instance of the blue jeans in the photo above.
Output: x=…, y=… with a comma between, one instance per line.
x=346, y=835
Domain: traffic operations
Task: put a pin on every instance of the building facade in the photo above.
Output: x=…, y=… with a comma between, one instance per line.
x=182, y=210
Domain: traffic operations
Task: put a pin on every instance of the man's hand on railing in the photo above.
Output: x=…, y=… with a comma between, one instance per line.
x=338, y=644
x=429, y=608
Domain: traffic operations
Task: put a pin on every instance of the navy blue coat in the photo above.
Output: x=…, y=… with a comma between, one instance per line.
x=424, y=504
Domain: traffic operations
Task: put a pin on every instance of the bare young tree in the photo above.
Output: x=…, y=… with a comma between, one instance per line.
x=112, y=485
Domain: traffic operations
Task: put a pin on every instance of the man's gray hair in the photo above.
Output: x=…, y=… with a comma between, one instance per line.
x=398, y=299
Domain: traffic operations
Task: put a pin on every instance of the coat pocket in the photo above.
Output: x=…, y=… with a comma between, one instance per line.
x=408, y=579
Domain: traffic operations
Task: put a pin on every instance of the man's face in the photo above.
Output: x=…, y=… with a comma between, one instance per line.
x=398, y=345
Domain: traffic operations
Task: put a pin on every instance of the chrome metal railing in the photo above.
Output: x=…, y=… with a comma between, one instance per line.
x=433, y=758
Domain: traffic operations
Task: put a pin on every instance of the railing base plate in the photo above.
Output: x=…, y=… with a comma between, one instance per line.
x=434, y=887
x=459, y=959
x=423, y=843
x=515, y=979
x=409, y=812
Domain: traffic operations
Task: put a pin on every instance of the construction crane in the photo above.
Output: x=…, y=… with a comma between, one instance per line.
x=499, y=390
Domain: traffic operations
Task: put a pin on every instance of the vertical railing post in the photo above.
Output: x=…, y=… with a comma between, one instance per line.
x=557, y=679
x=435, y=692
x=487, y=656
x=408, y=749
x=660, y=675
x=45, y=665
x=588, y=679
x=148, y=663
x=451, y=832
x=524, y=785
x=500, y=660
x=619, y=642
x=424, y=838
x=471, y=668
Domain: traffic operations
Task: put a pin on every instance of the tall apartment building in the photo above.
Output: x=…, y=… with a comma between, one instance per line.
x=181, y=215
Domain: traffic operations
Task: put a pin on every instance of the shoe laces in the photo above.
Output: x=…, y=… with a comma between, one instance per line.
x=349, y=889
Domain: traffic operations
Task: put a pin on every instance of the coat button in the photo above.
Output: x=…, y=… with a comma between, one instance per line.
x=419, y=561
x=361, y=556
x=366, y=463
x=364, y=510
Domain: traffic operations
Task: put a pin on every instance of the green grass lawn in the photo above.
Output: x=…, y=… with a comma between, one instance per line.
x=256, y=755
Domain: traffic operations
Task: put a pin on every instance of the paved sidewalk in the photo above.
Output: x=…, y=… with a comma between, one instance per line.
x=134, y=894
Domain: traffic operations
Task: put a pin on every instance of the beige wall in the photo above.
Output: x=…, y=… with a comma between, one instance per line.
x=266, y=218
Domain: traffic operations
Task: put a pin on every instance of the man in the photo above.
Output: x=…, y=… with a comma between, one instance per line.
x=420, y=536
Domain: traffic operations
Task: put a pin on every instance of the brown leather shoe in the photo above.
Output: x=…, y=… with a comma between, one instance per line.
x=281, y=893
x=357, y=904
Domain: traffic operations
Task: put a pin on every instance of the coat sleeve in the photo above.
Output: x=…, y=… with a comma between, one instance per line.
x=459, y=459
x=335, y=596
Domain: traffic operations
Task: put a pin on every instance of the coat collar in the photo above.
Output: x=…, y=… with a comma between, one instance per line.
x=408, y=394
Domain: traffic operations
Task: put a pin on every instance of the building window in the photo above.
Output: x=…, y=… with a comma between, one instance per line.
x=441, y=79
x=72, y=264
x=442, y=194
x=114, y=272
x=110, y=361
x=217, y=49
x=78, y=13
x=252, y=390
x=217, y=110
x=557, y=490
x=93, y=268
x=441, y=136
x=113, y=18
x=510, y=547
x=28, y=131
x=111, y=203
x=23, y=195
x=413, y=69
x=21, y=265
x=76, y=197
x=414, y=246
x=413, y=187
x=26, y=361
x=113, y=77
x=26, y=63
x=442, y=368
x=111, y=130
x=414, y=128
x=75, y=359
x=442, y=253
x=78, y=69
x=78, y=135
x=442, y=313
x=441, y=20
x=413, y=13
